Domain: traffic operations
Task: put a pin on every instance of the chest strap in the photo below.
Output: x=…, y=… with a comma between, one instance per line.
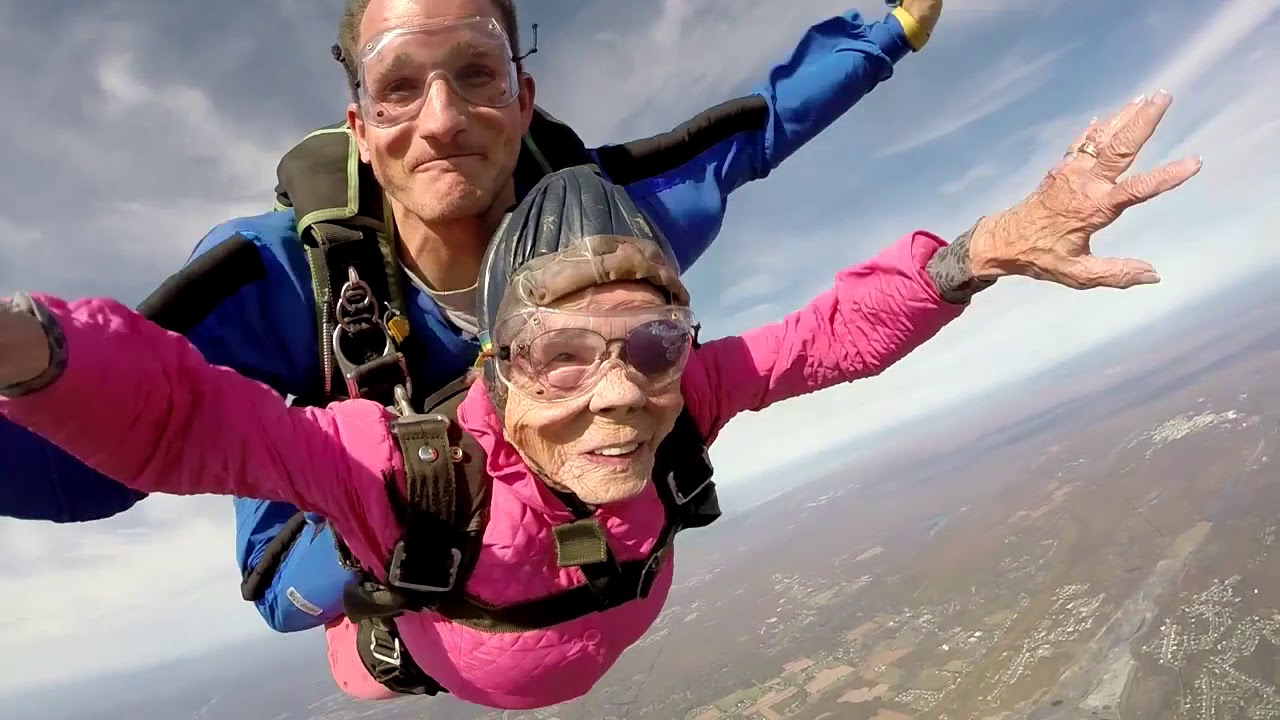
x=443, y=514
x=682, y=477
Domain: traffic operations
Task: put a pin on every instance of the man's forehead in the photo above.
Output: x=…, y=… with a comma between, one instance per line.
x=385, y=15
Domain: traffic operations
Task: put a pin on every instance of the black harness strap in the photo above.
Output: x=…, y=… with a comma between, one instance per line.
x=548, y=145
x=689, y=501
x=442, y=512
x=355, y=275
x=188, y=296
x=378, y=643
x=256, y=581
x=653, y=156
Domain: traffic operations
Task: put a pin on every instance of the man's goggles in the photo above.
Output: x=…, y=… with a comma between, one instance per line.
x=555, y=355
x=398, y=68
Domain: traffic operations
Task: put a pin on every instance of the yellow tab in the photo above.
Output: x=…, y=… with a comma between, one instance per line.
x=916, y=36
x=398, y=327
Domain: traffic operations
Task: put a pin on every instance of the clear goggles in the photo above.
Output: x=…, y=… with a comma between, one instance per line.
x=556, y=355
x=399, y=68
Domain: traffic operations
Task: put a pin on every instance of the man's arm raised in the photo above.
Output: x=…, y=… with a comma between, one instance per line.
x=683, y=178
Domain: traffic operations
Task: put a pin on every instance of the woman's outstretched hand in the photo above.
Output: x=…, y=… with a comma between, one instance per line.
x=24, y=347
x=1046, y=236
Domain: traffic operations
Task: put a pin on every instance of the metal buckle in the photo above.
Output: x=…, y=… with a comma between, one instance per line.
x=675, y=492
x=394, y=657
x=356, y=302
x=397, y=558
x=352, y=373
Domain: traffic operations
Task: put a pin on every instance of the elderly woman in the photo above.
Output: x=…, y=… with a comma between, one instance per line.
x=557, y=483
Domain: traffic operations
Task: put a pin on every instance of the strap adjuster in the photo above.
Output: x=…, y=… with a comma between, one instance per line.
x=649, y=573
x=677, y=496
x=395, y=572
x=384, y=647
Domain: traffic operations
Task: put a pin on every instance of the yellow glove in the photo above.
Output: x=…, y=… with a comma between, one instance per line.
x=918, y=18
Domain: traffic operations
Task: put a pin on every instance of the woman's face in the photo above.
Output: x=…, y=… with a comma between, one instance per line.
x=599, y=444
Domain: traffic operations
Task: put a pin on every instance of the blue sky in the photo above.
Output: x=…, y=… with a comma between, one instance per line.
x=136, y=126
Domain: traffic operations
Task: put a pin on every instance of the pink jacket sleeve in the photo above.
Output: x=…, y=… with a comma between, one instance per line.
x=140, y=405
x=876, y=313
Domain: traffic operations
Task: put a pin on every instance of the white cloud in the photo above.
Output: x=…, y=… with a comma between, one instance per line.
x=145, y=165
x=1012, y=78
x=1235, y=23
x=156, y=584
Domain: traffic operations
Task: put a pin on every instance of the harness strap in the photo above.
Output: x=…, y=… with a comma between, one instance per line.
x=428, y=556
x=442, y=513
x=258, y=578
x=631, y=580
x=378, y=642
x=689, y=501
x=361, y=331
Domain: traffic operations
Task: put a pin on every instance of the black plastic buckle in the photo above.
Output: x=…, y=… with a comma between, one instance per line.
x=395, y=571
x=677, y=496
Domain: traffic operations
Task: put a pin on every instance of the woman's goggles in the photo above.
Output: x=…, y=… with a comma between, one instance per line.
x=399, y=68
x=556, y=355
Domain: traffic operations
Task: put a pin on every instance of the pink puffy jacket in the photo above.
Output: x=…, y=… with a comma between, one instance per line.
x=140, y=405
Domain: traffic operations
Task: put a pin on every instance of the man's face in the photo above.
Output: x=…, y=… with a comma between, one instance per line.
x=452, y=159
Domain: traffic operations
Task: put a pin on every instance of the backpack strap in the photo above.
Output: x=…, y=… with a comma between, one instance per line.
x=549, y=145
x=350, y=247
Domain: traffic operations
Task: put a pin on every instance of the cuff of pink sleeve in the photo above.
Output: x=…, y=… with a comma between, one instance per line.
x=57, y=348
x=76, y=383
x=923, y=246
x=936, y=278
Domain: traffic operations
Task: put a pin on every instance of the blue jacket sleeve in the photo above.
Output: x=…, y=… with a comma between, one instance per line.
x=38, y=481
x=683, y=179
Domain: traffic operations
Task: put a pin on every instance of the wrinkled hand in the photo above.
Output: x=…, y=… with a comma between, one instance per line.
x=24, y=347
x=1046, y=236
x=926, y=12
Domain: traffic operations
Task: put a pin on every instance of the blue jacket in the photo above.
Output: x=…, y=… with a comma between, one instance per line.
x=266, y=328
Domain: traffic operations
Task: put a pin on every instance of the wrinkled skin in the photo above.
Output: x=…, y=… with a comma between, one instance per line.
x=1046, y=236
x=557, y=440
